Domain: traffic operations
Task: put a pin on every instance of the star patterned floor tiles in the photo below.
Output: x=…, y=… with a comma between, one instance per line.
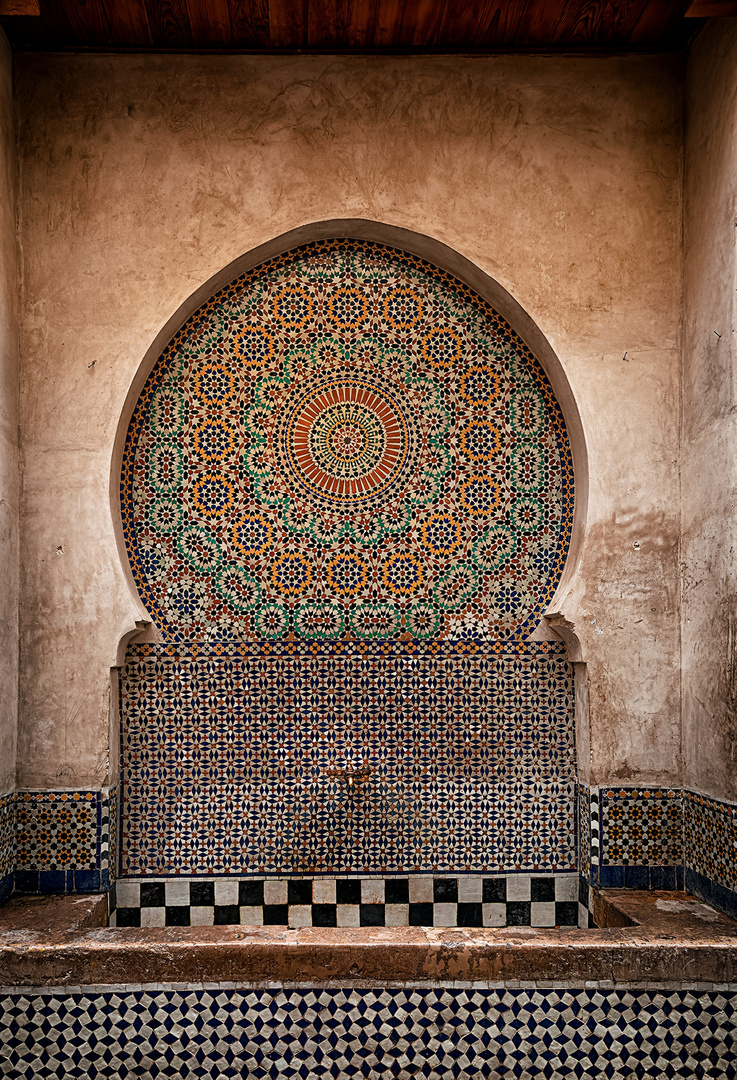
x=515, y=900
x=433, y=1032
x=229, y=752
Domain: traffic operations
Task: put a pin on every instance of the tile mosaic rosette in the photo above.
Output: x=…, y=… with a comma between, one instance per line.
x=346, y=441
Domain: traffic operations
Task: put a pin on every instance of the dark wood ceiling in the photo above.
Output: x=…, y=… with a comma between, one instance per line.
x=350, y=25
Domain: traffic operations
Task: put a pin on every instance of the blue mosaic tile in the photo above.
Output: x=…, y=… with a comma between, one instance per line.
x=228, y=755
x=711, y=838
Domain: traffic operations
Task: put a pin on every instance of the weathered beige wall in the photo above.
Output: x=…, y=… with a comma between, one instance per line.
x=710, y=415
x=9, y=472
x=143, y=176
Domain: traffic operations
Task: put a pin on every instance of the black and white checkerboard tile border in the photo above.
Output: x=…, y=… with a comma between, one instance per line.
x=512, y=900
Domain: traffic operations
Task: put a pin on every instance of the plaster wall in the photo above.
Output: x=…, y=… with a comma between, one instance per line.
x=143, y=176
x=710, y=415
x=9, y=474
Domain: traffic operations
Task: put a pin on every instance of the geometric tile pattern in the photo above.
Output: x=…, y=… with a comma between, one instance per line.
x=7, y=834
x=641, y=827
x=58, y=830
x=228, y=753
x=710, y=828
x=346, y=441
x=594, y=827
x=517, y=900
x=583, y=800
x=434, y=1032
x=109, y=844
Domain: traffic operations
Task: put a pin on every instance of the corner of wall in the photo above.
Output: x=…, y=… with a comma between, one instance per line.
x=9, y=468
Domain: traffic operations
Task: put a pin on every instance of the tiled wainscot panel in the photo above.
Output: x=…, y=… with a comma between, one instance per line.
x=710, y=830
x=434, y=1032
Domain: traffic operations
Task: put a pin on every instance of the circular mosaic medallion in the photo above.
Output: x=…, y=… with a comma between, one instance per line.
x=346, y=441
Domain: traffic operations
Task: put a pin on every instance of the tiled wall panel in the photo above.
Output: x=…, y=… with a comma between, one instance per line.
x=433, y=1032
x=227, y=752
x=62, y=841
x=710, y=830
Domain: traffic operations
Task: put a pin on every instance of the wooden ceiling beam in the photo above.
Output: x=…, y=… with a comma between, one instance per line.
x=356, y=25
x=19, y=7
x=708, y=9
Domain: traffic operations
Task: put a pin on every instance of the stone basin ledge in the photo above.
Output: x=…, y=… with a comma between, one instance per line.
x=668, y=938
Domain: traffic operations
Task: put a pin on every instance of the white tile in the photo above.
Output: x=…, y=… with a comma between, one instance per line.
x=518, y=887
x=323, y=892
x=252, y=916
x=275, y=892
x=113, y=920
x=396, y=914
x=494, y=914
x=128, y=894
x=470, y=890
x=542, y=914
x=300, y=915
x=153, y=916
x=420, y=890
x=566, y=888
x=445, y=915
x=348, y=915
x=201, y=916
x=226, y=892
x=372, y=892
x=177, y=893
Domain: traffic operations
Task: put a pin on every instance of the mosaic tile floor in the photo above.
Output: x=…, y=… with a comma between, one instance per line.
x=515, y=900
x=436, y=1032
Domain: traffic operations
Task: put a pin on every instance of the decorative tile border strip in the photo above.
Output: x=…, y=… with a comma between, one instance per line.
x=435, y=1032
x=583, y=831
x=512, y=900
x=7, y=844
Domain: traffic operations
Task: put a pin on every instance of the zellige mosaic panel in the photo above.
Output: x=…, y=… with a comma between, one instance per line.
x=58, y=830
x=227, y=754
x=641, y=826
x=346, y=441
